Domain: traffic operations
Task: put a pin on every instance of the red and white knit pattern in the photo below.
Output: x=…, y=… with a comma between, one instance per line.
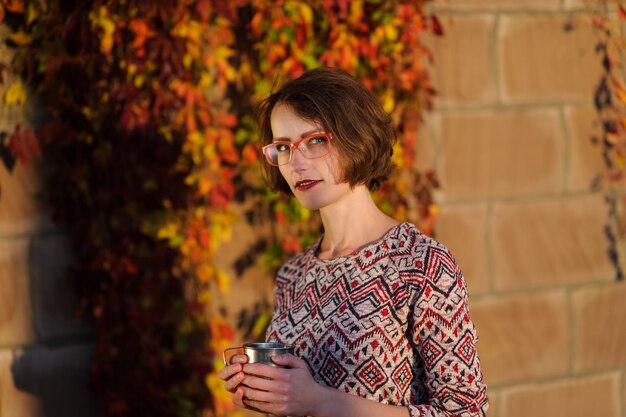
x=389, y=323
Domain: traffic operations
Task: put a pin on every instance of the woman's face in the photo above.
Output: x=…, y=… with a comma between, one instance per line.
x=316, y=183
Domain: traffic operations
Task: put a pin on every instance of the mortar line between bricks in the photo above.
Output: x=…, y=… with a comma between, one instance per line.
x=48, y=232
x=559, y=10
x=620, y=395
x=552, y=379
x=544, y=289
x=521, y=105
x=569, y=292
x=520, y=198
x=567, y=143
x=495, y=58
x=489, y=248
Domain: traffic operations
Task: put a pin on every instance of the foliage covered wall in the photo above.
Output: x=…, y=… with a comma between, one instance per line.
x=150, y=139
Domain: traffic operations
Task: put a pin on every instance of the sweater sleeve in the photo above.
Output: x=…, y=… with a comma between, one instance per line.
x=444, y=339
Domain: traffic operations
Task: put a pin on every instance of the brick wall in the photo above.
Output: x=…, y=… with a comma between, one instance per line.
x=510, y=139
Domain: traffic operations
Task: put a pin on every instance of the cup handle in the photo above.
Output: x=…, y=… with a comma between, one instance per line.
x=226, y=350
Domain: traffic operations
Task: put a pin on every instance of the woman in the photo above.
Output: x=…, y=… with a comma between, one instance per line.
x=377, y=311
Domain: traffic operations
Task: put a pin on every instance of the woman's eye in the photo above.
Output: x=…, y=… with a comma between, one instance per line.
x=281, y=147
x=317, y=140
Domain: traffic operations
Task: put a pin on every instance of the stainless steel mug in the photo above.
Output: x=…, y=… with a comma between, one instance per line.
x=261, y=352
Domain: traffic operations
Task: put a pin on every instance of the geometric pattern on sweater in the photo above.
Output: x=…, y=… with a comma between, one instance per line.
x=389, y=322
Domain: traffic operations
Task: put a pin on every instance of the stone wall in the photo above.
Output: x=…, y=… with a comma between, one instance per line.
x=510, y=138
x=44, y=350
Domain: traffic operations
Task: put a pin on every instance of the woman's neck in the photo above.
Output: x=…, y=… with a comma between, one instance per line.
x=352, y=223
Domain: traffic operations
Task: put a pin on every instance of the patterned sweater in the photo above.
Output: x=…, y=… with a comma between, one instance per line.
x=389, y=322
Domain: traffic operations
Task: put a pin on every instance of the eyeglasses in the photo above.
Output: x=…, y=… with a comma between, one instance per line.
x=312, y=146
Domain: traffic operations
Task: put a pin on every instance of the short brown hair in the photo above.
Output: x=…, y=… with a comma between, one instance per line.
x=362, y=131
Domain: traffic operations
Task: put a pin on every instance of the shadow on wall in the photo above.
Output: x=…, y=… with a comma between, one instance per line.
x=58, y=377
x=56, y=368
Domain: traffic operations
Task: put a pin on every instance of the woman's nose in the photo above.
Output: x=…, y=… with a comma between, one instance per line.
x=298, y=161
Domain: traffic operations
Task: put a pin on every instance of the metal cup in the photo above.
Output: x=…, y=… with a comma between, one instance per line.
x=260, y=352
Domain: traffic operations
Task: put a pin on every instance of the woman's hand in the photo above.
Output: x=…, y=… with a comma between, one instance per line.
x=232, y=374
x=279, y=391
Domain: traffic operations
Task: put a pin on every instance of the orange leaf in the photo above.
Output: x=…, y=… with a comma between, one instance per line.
x=250, y=153
x=14, y=6
x=229, y=120
x=621, y=13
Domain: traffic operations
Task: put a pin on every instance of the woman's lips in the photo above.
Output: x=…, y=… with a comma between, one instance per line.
x=306, y=184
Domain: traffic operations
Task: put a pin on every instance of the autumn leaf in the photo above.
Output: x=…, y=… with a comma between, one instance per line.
x=15, y=94
x=14, y=6
x=20, y=38
x=621, y=13
x=437, y=28
x=24, y=144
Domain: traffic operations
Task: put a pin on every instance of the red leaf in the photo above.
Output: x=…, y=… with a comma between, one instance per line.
x=54, y=130
x=621, y=13
x=436, y=25
x=24, y=144
x=2, y=66
x=204, y=9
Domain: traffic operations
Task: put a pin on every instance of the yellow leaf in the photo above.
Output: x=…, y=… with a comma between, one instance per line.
x=31, y=13
x=103, y=22
x=187, y=61
x=139, y=80
x=15, y=94
x=307, y=13
x=223, y=282
x=261, y=323
x=391, y=32
x=398, y=155
x=21, y=38
x=356, y=11
x=388, y=101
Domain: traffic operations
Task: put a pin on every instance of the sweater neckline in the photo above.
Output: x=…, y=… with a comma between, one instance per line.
x=387, y=235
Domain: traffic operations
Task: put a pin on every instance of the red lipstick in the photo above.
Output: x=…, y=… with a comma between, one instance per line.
x=306, y=184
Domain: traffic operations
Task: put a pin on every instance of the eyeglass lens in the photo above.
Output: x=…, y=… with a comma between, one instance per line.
x=312, y=147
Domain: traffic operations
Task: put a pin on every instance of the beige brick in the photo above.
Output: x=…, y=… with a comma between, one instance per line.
x=522, y=337
x=624, y=390
x=540, y=60
x=500, y=153
x=584, y=158
x=20, y=209
x=15, y=307
x=557, y=241
x=581, y=397
x=14, y=403
x=494, y=402
x=586, y=5
x=599, y=327
x=462, y=229
x=255, y=284
x=463, y=70
x=471, y=5
x=425, y=148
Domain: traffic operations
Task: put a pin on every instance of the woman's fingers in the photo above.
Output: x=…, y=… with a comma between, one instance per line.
x=228, y=371
x=233, y=382
x=263, y=370
x=261, y=383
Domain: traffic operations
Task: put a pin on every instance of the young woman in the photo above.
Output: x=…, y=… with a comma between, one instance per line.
x=376, y=311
